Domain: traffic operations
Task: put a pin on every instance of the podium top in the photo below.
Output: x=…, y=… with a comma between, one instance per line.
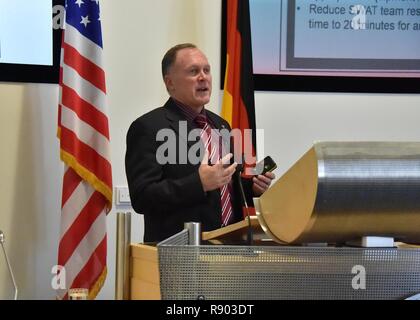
x=236, y=233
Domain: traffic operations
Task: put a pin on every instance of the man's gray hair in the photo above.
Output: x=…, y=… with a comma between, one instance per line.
x=170, y=56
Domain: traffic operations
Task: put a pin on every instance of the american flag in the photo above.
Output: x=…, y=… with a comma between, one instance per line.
x=84, y=149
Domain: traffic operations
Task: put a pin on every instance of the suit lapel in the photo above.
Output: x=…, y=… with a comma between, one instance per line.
x=215, y=120
x=178, y=122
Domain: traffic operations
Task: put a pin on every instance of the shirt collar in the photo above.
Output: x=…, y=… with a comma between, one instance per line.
x=189, y=112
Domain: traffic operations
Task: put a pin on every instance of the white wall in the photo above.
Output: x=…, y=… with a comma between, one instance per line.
x=136, y=35
x=293, y=121
x=30, y=187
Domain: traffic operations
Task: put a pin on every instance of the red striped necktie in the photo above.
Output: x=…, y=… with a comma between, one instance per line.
x=211, y=145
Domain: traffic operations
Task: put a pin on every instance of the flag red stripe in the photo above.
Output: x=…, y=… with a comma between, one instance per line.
x=242, y=120
x=234, y=51
x=93, y=268
x=86, y=156
x=59, y=117
x=87, y=69
x=85, y=111
x=70, y=182
x=231, y=44
x=235, y=59
x=60, y=75
x=80, y=227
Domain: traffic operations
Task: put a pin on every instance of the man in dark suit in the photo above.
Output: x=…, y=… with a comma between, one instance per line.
x=168, y=181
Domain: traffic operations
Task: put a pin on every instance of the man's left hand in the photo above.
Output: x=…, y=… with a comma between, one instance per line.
x=261, y=183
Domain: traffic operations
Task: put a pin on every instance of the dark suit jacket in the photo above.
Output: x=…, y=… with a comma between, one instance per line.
x=170, y=194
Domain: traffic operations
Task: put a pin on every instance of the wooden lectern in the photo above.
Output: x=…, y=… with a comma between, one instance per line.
x=144, y=272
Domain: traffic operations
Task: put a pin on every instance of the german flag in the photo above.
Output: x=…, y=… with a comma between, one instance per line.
x=238, y=97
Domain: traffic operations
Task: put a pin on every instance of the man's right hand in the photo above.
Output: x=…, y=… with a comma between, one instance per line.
x=215, y=176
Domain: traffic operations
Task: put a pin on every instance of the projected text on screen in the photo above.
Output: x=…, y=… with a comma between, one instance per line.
x=336, y=37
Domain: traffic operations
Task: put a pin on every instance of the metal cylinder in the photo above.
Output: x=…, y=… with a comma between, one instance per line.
x=344, y=191
x=122, y=270
x=194, y=233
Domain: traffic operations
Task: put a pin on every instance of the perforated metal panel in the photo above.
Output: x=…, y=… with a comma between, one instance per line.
x=267, y=272
x=178, y=239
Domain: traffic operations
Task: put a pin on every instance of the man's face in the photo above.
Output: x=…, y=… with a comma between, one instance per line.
x=189, y=78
